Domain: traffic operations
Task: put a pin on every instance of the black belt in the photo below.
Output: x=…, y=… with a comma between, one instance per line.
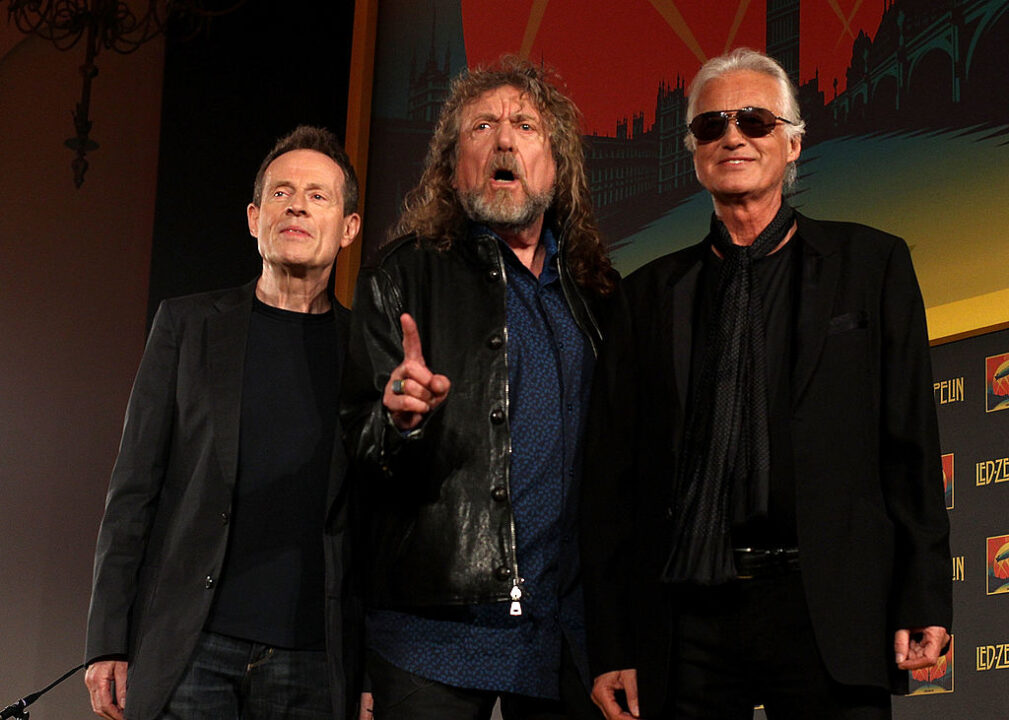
x=757, y=562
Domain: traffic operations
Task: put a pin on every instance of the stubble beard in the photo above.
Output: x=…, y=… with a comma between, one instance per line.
x=501, y=212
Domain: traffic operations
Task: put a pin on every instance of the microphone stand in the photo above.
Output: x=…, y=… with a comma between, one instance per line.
x=19, y=709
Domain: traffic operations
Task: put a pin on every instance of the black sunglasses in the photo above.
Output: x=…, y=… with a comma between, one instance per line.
x=753, y=122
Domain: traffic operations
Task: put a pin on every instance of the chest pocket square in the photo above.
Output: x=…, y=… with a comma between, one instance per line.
x=848, y=321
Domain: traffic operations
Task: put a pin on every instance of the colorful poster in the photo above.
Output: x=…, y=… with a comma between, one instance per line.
x=905, y=131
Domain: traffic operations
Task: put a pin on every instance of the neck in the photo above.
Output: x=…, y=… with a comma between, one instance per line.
x=746, y=218
x=282, y=288
x=525, y=243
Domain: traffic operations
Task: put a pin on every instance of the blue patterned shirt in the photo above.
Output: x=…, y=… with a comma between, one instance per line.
x=483, y=647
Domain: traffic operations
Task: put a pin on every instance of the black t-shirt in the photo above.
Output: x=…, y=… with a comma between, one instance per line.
x=272, y=585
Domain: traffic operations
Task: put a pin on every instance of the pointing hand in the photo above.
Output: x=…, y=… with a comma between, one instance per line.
x=413, y=390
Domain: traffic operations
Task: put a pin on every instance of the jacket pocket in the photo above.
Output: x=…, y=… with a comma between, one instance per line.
x=848, y=321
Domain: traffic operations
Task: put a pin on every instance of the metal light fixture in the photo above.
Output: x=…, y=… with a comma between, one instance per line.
x=110, y=25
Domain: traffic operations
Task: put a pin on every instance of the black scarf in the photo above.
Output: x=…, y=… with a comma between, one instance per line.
x=726, y=443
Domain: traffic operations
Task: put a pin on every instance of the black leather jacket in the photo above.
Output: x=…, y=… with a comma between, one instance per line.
x=439, y=521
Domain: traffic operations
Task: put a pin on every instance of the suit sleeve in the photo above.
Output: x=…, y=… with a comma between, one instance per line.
x=133, y=492
x=910, y=463
x=607, y=509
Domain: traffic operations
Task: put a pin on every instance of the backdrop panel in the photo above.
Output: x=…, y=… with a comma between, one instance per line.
x=905, y=131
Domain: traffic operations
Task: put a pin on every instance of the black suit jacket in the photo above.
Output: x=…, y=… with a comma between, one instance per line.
x=872, y=525
x=165, y=530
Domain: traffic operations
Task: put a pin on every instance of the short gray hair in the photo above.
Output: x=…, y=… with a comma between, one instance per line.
x=746, y=59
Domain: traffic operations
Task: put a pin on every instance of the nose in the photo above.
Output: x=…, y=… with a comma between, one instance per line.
x=733, y=137
x=505, y=137
x=296, y=205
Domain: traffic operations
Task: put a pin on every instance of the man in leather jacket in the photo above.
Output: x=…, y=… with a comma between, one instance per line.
x=472, y=347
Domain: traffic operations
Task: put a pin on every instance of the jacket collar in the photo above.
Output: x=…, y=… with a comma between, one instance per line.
x=227, y=333
x=821, y=269
x=677, y=313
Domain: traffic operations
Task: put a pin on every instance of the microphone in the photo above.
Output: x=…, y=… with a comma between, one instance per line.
x=17, y=710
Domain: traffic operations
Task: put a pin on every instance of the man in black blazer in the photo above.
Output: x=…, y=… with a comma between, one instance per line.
x=221, y=584
x=763, y=518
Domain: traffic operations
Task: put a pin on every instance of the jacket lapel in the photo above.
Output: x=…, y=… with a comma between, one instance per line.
x=821, y=268
x=227, y=334
x=338, y=464
x=680, y=314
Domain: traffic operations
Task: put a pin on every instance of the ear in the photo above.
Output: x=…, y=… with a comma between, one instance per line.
x=351, y=226
x=794, y=149
x=252, y=212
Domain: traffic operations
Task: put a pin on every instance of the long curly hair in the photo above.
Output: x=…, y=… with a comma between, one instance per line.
x=432, y=209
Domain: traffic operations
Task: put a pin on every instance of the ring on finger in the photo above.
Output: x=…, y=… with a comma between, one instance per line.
x=397, y=387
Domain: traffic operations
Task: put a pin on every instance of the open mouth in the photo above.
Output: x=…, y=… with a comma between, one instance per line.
x=504, y=175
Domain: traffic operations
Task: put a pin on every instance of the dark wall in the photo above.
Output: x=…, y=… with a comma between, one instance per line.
x=228, y=95
x=73, y=297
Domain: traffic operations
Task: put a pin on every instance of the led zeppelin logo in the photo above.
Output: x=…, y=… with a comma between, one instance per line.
x=996, y=382
x=992, y=657
x=998, y=564
x=947, y=479
x=935, y=679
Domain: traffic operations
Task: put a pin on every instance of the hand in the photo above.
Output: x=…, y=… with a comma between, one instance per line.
x=604, y=693
x=104, y=678
x=421, y=390
x=367, y=711
x=916, y=648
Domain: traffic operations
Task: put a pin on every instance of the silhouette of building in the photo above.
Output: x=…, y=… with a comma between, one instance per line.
x=930, y=63
x=782, y=36
x=621, y=168
x=429, y=86
x=675, y=165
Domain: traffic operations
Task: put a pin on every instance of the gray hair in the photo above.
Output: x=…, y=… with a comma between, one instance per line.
x=746, y=59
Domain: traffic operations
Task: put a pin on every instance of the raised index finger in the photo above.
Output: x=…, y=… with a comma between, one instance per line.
x=411, y=340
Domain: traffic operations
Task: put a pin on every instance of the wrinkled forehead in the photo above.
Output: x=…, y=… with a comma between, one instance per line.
x=504, y=101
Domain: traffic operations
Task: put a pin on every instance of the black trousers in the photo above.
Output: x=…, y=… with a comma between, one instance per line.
x=401, y=695
x=750, y=643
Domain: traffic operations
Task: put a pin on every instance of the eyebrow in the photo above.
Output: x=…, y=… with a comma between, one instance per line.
x=521, y=116
x=290, y=184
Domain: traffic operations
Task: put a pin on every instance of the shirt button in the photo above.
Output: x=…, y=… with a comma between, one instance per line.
x=495, y=342
x=499, y=494
x=497, y=416
x=209, y=582
x=503, y=573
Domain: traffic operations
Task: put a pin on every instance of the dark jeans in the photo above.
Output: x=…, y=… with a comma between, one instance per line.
x=751, y=642
x=401, y=695
x=232, y=679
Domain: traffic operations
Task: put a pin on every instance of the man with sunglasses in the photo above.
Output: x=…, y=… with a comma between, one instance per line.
x=763, y=516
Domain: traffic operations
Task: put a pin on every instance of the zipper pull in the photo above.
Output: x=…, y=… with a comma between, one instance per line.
x=516, y=596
